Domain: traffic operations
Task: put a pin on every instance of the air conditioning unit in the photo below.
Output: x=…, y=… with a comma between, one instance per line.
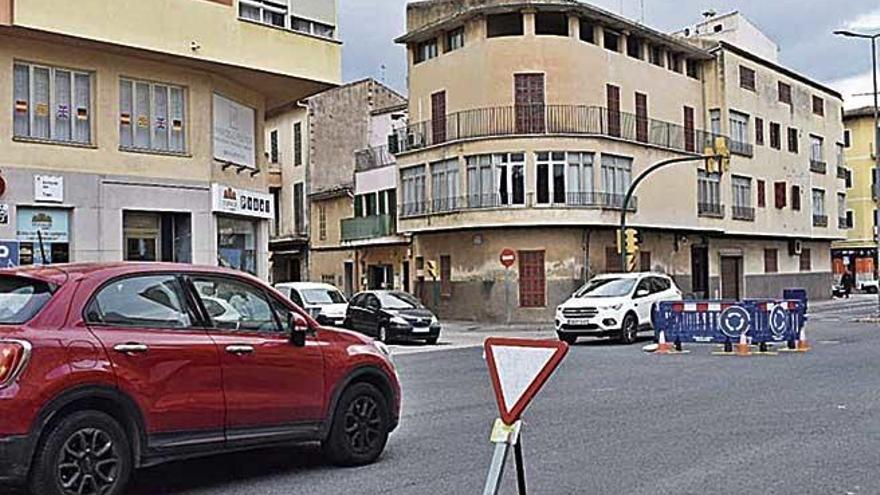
x=795, y=247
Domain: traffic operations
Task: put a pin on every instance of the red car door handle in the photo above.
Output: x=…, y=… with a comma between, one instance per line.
x=131, y=349
x=239, y=350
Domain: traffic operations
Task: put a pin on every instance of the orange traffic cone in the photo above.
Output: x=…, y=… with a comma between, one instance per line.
x=802, y=344
x=743, y=348
x=663, y=347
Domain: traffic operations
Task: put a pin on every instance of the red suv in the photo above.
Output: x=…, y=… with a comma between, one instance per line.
x=105, y=368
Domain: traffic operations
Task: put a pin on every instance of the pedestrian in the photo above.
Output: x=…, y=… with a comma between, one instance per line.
x=847, y=282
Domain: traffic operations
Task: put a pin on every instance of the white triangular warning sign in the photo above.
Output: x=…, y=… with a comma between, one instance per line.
x=519, y=368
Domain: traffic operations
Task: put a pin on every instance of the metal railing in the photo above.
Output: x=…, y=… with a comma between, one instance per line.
x=746, y=213
x=742, y=149
x=818, y=167
x=597, y=200
x=362, y=228
x=710, y=210
x=820, y=220
x=372, y=158
x=549, y=119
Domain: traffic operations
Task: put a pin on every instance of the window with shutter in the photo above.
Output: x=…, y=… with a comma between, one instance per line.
x=532, y=281
x=762, y=194
x=775, y=136
x=779, y=191
x=759, y=131
x=796, y=198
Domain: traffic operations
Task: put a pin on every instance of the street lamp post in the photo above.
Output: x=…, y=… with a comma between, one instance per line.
x=873, y=39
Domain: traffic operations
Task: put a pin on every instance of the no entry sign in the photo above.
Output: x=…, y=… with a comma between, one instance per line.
x=518, y=369
x=508, y=257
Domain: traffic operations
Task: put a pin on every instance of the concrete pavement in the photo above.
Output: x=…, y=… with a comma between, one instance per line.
x=612, y=421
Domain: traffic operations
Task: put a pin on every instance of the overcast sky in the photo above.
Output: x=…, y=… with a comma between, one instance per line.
x=802, y=28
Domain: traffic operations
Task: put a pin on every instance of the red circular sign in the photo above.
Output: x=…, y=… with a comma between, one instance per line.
x=2, y=186
x=508, y=258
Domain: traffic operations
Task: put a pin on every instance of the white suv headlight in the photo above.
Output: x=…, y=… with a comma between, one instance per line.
x=614, y=307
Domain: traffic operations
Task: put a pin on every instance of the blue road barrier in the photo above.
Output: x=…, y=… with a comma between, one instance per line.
x=724, y=322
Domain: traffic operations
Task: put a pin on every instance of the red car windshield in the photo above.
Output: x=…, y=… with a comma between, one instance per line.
x=21, y=299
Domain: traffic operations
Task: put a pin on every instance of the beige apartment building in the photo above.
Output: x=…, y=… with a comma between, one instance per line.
x=332, y=167
x=134, y=130
x=530, y=119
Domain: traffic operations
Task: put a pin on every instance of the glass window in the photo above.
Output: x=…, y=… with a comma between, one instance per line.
x=739, y=127
x=709, y=189
x=455, y=39
x=616, y=175
x=145, y=301
x=398, y=300
x=588, y=31
x=551, y=23
x=21, y=299
x=444, y=185
x=580, y=179
x=244, y=306
x=151, y=116
x=504, y=25
x=551, y=168
x=742, y=192
x=425, y=50
x=271, y=12
x=413, y=184
x=817, y=149
x=52, y=103
x=236, y=244
x=818, y=202
x=44, y=235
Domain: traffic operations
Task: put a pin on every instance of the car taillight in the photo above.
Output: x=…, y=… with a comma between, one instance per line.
x=13, y=357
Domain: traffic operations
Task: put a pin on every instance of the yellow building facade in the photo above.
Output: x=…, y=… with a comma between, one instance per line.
x=858, y=253
x=135, y=130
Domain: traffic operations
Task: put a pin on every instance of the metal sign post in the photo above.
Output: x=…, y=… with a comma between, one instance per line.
x=507, y=258
x=518, y=369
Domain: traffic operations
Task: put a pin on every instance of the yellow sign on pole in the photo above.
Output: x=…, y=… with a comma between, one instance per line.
x=431, y=268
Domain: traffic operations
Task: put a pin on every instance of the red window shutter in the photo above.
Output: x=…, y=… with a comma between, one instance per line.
x=689, y=138
x=780, y=189
x=762, y=194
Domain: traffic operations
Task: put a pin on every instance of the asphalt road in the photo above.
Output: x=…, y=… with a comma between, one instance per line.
x=612, y=421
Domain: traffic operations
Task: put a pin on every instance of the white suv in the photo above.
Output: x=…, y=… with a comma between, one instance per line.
x=324, y=302
x=614, y=305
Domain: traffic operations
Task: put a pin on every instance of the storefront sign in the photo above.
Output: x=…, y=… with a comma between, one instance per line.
x=245, y=203
x=8, y=254
x=49, y=188
x=48, y=224
x=234, y=140
x=4, y=214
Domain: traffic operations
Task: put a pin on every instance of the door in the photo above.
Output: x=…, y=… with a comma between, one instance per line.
x=529, y=101
x=700, y=272
x=348, y=278
x=532, y=281
x=643, y=299
x=162, y=358
x=613, y=110
x=731, y=278
x=272, y=388
x=438, y=117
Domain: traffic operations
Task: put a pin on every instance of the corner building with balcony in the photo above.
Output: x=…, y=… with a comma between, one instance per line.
x=133, y=130
x=530, y=119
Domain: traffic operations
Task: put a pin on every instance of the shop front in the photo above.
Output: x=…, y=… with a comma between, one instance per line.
x=43, y=235
x=242, y=220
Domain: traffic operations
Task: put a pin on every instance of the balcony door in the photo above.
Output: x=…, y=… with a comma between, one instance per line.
x=438, y=117
x=529, y=98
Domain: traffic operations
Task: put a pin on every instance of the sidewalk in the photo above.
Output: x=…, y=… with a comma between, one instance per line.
x=468, y=334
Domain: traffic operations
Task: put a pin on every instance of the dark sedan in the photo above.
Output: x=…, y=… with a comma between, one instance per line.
x=392, y=316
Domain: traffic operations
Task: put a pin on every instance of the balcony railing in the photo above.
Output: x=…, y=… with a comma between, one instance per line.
x=549, y=119
x=820, y=220
x=841, y=172
x=597, y=200
x=710, y=210
x=741, y=148
x=371, y=158
x=818, y=167
x=363, y=228
x=746, y=213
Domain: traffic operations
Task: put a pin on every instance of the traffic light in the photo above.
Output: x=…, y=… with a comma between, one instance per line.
x=431, y=268
x=633, y=240
x=723, y=153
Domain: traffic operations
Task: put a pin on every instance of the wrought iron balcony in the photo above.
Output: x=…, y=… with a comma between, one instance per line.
x=746, y=213
x=710, y=210
x=742, y=148
x=373, y=157
x=820, y=221
x=364, y=228
x=530, y=120
x=818, y=167
x=597, y=200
